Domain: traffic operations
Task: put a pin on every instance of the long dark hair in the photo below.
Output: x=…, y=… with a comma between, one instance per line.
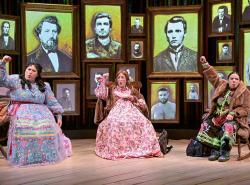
x=40, y=83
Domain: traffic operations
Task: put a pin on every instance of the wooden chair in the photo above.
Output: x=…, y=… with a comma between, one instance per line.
x=243, y=143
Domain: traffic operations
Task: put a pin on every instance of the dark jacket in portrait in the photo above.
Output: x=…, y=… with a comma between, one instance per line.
x=112, y=50
x=246, y=14
x=41, y=57
x=66, y=103
x=225, y=24
x=136, y=30
x=9, y=46
x=240, y=103
x=187, y=61
x=225, y=56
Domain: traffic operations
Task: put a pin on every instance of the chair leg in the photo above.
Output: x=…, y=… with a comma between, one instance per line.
x=239, y=149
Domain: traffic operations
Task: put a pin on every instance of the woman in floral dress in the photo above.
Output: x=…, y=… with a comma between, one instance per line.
x=126, y=132
x=34, y=137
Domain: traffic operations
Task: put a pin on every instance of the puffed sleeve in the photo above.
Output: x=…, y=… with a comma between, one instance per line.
x=9, y=81
x=51, y=101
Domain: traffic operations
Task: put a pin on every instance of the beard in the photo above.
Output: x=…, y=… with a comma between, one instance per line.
x=164, y=101
x=51, y=44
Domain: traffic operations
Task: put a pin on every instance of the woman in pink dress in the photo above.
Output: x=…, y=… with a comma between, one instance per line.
x=125, y=132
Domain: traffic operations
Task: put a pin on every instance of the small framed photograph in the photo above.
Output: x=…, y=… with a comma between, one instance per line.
x=171, y=55
x=221, y=17
x=225, y=51
x=9, y=34
x=132, y=70
x=164, y=101
x=137, y=25
x=50, y=38
x=137, y=48
x=193, y=90
x=93, y=72
x=244, y=55
x=223, y=72
x=104, y=30
x=68, y=95
x=245, y=11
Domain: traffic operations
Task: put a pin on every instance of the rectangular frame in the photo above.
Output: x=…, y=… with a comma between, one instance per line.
x=75, y=98
x=244, y=55
x=194, y=97
x=208, y=89
x=67, y=51
x=117, y=12
x=133, y=31
x=90, y=84
x=160, y=64
x=137, y=56
x=171, y=85
x=228, y=7
x=14, y=41
x=245, y=12
x=134, y=72
x=220, y=58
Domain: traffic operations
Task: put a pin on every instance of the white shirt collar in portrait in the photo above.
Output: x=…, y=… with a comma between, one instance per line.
x=6, y=40
x=53, y=58
x=175, y=56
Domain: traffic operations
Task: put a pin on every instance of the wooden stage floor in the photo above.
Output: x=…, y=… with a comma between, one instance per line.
x=85, y=168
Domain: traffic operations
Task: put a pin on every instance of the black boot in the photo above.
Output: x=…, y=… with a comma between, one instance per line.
x=225, y=156
x=215, y=154
x=225, y=151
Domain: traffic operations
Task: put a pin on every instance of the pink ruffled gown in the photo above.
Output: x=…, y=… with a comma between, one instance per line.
x=125, y=132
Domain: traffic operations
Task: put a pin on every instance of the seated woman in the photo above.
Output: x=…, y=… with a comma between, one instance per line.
x=125, y=132
x=33, y=137
x=228, y=113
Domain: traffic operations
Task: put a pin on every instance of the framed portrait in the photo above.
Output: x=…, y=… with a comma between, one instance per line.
x=193, y=90
x=137, y=25
x=221, y=17
x=93, y=72
x=68, y=95
x=137, y=48
x=171, y=55
x=223, y=72
x=104, y=30
x=245, y=12
x=132, y=69
x=50, y=38
x=225, y=51
x=9, y=34
x=244, y=55
x=163, y=101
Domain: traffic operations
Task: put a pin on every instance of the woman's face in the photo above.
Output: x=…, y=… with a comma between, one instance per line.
x=121, y=80
x=234, y=81
x=31, y=73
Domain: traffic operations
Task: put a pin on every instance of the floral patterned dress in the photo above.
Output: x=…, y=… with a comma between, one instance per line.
x=125, y=132
x=34, y=136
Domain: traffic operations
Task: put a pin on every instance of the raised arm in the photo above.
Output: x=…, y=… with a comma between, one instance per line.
x=210, y=73
x=6, y=80
x=101, y=90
